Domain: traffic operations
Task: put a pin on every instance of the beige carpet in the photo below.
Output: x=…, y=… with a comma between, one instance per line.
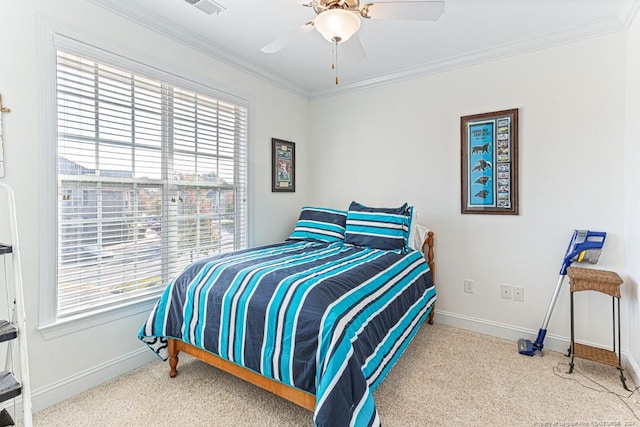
x=447, y=377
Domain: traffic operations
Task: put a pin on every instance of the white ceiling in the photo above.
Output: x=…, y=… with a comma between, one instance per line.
x=469, y=31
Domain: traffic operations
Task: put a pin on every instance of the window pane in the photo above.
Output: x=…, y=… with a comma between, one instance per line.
x=201, y=212
x=150, y=178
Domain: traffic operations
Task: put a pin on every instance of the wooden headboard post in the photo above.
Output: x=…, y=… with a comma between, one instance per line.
x=427, y=250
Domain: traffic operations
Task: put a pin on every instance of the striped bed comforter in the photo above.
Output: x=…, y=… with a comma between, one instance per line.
x=327, y=318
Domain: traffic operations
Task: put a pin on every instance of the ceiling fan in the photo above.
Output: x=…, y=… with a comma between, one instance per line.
x=339, y=20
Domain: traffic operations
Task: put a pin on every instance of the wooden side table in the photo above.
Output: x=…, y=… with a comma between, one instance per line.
x=606, y=282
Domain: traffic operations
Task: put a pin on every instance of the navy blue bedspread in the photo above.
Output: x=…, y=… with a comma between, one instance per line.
x=327, y=318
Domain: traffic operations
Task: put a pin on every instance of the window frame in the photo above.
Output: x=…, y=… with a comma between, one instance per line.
x=55, y=38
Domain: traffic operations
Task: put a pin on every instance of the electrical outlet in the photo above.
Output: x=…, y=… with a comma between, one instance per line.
x=518, y=294
x=468, y=286
x=506, y=291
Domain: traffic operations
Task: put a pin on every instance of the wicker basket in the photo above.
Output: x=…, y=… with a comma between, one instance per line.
x=588, y=279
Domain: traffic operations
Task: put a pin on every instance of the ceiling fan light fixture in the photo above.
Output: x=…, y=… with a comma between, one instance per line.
x=337, y=25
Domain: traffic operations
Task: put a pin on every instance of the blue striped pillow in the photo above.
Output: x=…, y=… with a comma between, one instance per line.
x=323, y=224
x=379, y=228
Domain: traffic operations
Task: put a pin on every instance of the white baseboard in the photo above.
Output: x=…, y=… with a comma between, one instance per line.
x=82, y=381
x=501, y=330
x=66, y=388
x=632, y=367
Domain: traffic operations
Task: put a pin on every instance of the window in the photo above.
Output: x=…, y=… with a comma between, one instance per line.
x=150, y=176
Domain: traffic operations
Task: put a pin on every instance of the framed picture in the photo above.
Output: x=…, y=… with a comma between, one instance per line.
x=283, y=165
x=489, y=160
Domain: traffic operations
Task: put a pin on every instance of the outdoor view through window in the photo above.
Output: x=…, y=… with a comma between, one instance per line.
x=150, y=177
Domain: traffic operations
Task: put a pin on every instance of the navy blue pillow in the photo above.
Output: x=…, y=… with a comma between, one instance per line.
x=379, y=228
x=323, y=224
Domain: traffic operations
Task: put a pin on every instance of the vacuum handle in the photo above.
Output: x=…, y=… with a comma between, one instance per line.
x=552, y=304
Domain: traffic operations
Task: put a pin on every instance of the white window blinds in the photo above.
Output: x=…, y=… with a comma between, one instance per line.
x=150, y=177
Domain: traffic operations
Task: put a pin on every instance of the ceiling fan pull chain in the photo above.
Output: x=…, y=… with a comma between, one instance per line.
x=336, y=61
x=333, y=57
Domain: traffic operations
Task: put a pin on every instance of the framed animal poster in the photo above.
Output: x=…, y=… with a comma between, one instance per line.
x=283, y=165
x=489, y=160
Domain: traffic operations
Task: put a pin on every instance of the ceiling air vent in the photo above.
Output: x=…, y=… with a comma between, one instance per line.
x=208, y=6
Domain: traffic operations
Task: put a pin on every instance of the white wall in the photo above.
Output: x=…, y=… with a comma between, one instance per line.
x=401, y=142
x=632, y=176
x=65, y=365
x=382, y=146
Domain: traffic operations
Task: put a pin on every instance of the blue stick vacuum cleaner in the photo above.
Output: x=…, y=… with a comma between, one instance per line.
x=584, y=246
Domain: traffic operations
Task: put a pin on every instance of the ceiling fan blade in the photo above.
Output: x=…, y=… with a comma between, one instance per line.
x=353, y=48
x=409, y=10
x=284, y=40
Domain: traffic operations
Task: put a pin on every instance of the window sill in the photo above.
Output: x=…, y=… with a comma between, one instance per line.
x=90, y=320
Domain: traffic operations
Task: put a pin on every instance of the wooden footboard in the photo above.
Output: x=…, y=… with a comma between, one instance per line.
x=292, y=394
x=297, y=396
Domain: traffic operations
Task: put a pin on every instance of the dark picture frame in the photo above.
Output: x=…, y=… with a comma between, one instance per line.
x=283, y=165
x=489, y=163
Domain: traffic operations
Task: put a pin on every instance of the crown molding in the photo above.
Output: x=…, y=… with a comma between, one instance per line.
x=618, y=21
x=186, y=36
x=596, y=28
x=627, y=11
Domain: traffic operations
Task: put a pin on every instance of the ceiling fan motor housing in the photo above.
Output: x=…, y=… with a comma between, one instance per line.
x=322, y=5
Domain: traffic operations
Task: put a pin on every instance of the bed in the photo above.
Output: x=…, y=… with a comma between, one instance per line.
x=318, y=319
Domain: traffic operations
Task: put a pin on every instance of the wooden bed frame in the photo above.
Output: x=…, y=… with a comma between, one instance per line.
x=295, y=395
